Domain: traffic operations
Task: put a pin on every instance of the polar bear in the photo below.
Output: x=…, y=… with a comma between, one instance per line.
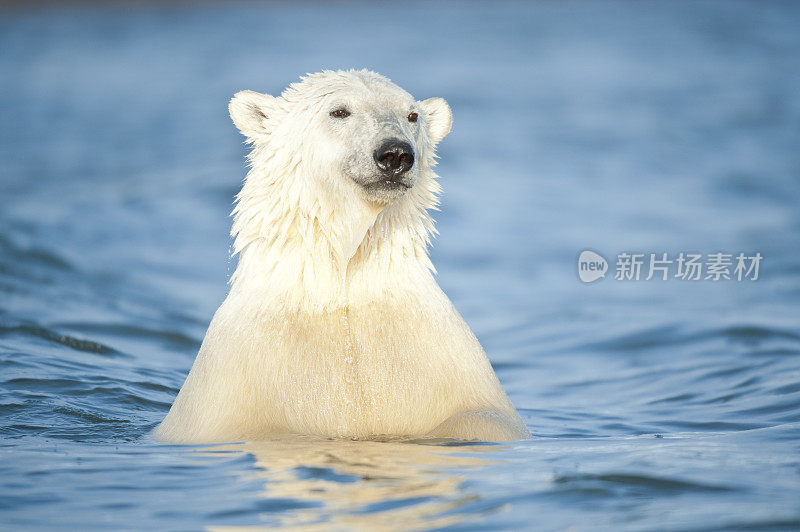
x=334, y=325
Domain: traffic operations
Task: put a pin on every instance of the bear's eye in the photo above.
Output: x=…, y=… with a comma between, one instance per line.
x=413, y=117
x=340, y=113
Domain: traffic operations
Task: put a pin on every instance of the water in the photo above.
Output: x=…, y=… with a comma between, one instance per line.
x=651, y=127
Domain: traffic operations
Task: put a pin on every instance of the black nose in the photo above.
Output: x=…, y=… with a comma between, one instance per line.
x=394, y=157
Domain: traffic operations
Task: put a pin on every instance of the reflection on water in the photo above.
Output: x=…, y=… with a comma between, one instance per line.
x=324, y=484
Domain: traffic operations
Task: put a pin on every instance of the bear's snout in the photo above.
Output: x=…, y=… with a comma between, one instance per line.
x=394, y=158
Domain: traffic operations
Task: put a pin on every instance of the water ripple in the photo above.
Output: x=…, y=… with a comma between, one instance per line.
x=36, y=331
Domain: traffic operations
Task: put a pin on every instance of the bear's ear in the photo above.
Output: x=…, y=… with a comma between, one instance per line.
x=439, y=118
x=250, y=111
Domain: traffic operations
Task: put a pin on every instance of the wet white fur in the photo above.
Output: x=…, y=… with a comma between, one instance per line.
x=334, y=325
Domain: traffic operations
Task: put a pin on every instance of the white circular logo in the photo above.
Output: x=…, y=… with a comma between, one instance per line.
x=591, y=266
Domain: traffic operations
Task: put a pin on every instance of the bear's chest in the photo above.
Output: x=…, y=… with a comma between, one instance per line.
x=358, y=371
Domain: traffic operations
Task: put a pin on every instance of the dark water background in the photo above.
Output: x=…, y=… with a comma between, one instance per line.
x=651, y=127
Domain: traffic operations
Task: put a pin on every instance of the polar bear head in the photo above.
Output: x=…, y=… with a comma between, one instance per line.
x=345, y=128
x=341, y=164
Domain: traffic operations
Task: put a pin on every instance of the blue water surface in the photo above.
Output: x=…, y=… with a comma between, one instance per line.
x=614, y=126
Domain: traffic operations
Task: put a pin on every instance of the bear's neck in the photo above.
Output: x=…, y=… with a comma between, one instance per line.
x=301, y=253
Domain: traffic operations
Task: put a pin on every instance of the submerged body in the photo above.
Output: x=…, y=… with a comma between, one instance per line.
x=334, y=325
